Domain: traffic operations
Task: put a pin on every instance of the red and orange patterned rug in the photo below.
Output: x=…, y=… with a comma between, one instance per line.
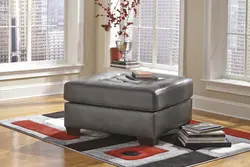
x=123, y=150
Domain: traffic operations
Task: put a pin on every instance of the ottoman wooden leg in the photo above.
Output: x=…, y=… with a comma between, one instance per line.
x=73, y=131
x=147, y=141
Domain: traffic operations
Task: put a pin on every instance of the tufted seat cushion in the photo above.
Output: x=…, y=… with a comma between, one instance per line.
x=114, y=90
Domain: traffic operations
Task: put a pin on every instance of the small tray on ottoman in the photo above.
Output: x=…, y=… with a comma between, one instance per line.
x=112, y=103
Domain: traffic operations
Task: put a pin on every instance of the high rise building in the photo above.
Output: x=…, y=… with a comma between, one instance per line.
x=236, y=39
x=13, y=39
x=55, y=44
x=23, y=30
x=19, y=30
x=168, y=24
x=39, y=30
x=48, y=30
x=55, y=30
x=4, y=31
x=175, y=32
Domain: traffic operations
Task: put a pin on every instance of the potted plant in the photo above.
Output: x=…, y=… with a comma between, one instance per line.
x=118, y=14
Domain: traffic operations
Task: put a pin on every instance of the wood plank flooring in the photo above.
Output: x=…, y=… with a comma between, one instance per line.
x=17, y=149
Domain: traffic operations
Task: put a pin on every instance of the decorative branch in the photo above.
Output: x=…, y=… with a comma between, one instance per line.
x=119, y=15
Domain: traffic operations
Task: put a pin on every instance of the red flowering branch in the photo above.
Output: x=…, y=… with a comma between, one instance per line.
x=119, y=15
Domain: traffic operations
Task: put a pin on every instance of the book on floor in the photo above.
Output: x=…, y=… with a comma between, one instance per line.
x=201, y=138
x=203, y=127
x=219, y=133
x=203, y=135
x=217, y=144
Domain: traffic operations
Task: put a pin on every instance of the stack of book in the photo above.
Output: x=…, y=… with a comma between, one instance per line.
x=125, y=64
x=202, y=135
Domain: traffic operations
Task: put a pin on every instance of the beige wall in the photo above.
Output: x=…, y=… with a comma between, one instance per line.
x=193, y=64
x=89, y=38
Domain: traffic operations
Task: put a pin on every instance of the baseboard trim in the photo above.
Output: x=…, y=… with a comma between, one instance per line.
x=222, y=107
x=31, y=90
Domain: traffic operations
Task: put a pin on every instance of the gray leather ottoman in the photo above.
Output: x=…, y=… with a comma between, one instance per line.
x=112, y=103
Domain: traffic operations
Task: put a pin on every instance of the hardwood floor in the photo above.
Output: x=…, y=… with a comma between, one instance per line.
x=17, y=149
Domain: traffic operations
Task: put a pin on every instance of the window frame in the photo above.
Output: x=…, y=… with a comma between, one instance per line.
x=154, y=65
x=73, y=48
x=215, y=77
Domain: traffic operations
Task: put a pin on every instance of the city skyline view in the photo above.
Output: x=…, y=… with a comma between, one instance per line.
x=237, y=12
x=47, y=32
x=44, y=31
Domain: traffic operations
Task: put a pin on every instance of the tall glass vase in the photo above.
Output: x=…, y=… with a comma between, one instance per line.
x=124, y=46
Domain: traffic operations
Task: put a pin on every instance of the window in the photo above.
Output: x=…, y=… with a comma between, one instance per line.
x=229, y=28
x=39, y=23
x=227, y=47
x=156, y=34
x=40, y=32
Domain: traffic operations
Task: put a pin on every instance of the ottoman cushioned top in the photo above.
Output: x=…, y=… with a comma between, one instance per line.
x=116, y=91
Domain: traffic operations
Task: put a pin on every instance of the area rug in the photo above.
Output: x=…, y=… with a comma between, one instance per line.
x=122, y=150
